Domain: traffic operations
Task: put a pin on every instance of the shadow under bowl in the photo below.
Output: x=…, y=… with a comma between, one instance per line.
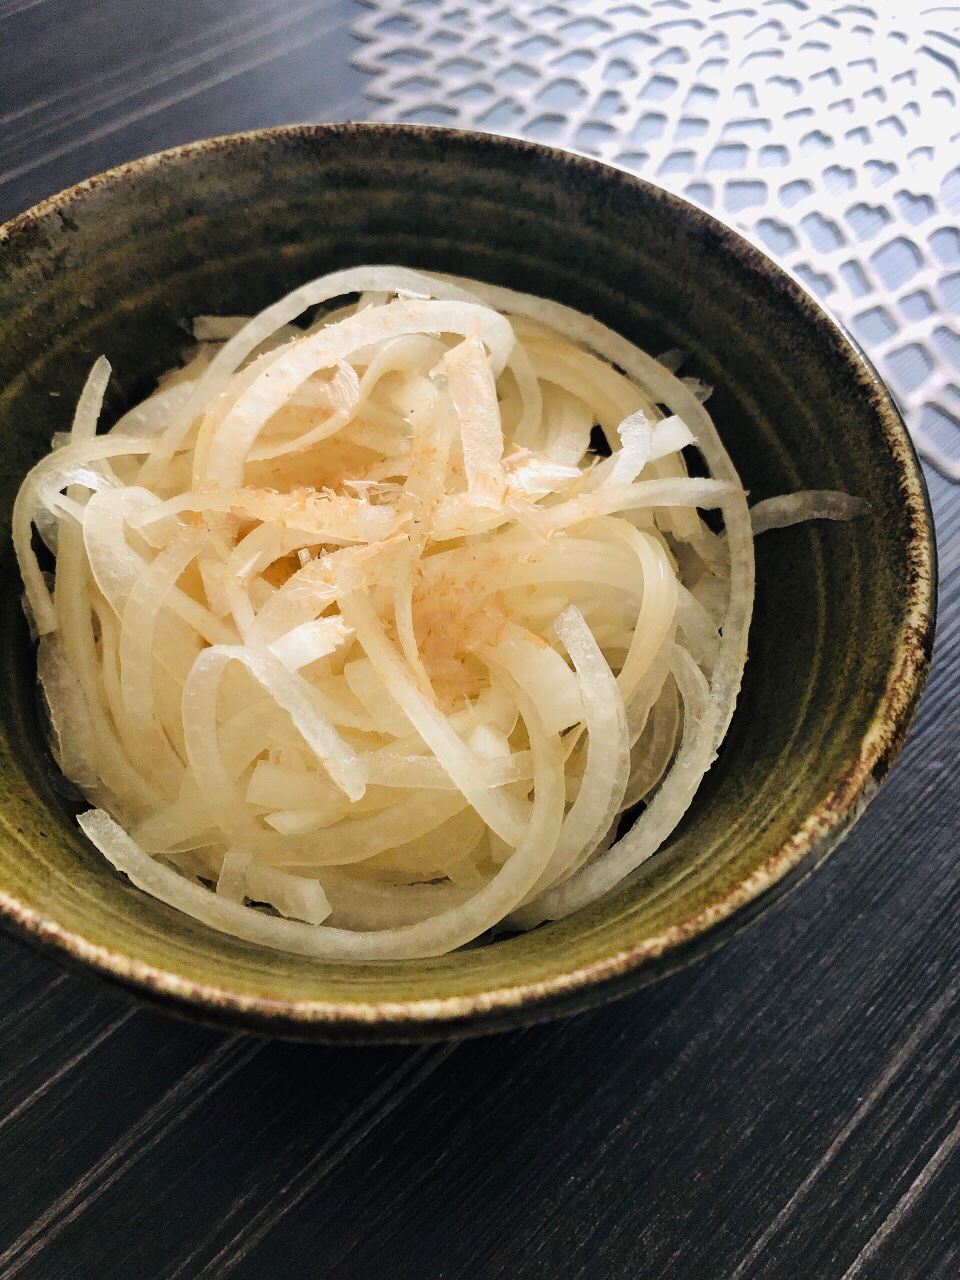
x=841, y=637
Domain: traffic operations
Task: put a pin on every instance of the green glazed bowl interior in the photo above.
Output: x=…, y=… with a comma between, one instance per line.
x=844, y=614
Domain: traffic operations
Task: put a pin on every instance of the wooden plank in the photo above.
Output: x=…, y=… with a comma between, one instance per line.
x=73, y=107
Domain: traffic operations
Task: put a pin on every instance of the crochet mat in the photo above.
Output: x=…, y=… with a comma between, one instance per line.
x=827, y=132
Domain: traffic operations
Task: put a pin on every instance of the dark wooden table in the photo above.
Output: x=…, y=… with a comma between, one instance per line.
x=788, y=1108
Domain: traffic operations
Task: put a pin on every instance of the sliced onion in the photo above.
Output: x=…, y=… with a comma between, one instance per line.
x=542, y=672
x=636, y=448
x=288, y=690
x=606, y=773
x=432, y=726
x=317, y=600
x=474, y=394
x=310, y=641
x=808, y=504
x=91, y=401
x=433, y=936
x=661, y=817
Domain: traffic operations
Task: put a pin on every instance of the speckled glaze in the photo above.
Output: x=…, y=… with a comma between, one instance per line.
x=843, y=628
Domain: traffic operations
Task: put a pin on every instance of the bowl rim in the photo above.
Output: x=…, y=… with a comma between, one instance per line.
x=518, y=1003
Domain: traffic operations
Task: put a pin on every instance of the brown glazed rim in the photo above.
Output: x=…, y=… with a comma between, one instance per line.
x=634, y=966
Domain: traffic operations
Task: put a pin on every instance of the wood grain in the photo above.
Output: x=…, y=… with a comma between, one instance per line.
x=87, y=84
x=788, y=1108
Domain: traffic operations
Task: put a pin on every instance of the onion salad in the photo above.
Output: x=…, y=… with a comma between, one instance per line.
x=373, y=627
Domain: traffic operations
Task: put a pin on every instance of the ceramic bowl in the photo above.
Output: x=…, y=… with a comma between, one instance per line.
x=841, y=637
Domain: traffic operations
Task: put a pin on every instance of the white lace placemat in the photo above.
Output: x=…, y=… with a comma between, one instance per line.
x=827, y=131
